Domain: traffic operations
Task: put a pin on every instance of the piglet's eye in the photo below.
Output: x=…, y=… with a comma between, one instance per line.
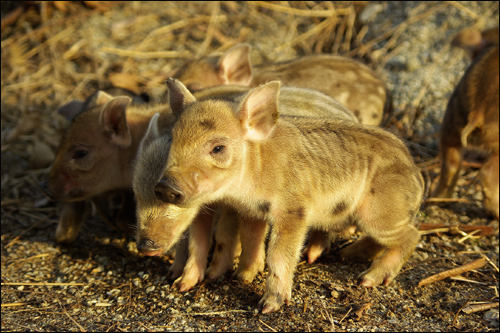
x=80, y=153
x=218, y=149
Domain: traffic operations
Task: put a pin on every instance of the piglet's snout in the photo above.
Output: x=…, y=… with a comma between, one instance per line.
x=147, y=247
x=167, y=192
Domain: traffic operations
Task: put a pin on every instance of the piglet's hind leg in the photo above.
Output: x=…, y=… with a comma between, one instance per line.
x=226, y=242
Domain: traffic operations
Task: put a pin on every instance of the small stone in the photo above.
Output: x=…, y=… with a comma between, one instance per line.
x=491, y=315
x=369, y=13
x=412, y=64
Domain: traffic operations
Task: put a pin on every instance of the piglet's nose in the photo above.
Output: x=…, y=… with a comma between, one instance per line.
x=147, y=247
x=169, y=193
x=45, y=190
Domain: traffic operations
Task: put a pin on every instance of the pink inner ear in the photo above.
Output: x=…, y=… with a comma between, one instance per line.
x=114, y=120
x=260, y=111
x=235, y=66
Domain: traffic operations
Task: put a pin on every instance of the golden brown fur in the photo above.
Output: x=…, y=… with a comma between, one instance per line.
x=350, y=82
x=471, y=119
x=293, y=172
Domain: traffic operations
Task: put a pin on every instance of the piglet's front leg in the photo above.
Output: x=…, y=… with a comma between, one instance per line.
x=284, y=248
x=71, y=220
x=226, y=243
x=199, y=245
x=181, y=257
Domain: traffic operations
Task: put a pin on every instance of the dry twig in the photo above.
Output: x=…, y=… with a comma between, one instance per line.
x=145, y=55
x=453, y=272
x=42, y=284
x=350, y=309
x=301, y=12
x=479, y=307
x=9, y=305
x=272, y=329
x=362, y=309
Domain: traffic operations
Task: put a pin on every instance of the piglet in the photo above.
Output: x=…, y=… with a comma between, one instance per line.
x=350, y=82
x=151, y=161
x=294, y=173
x=471, y=118
x=74, y=210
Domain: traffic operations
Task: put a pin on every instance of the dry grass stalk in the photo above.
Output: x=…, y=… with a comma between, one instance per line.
x=469, y=235
x=479, y=307
x=447, y=200
x=350, y=28
x=308, y=34
x=263, y=323
x=385, y=59
x=328, y=316
x=388, y=33
x=42, y=284
x=350, y=309
x=301, y=12
x=461, y=7
x=216, y=313
x=66, y=312
x=339, y=34
x=453, y=272
x=9, y=305
x=145, y=55
x=175, y=26
x=490, y=262
x=11, y=17
x=434, y=231
x=25, y=231
x=456, y=314
x=210, y=30
x=461, y=278
x=29, y=258
x=483, y=230
x=362, y=309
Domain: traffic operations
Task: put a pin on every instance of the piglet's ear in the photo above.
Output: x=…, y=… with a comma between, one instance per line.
x=258, y=113
x=71, y=109
x=114, y=120
x=235, y=66
x=152, y=132
x=178, y=95
x=102, y=98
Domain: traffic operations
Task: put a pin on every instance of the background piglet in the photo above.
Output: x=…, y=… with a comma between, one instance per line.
x=350, y=82
x=93, y=163
x=294, y=172
x=471, y=118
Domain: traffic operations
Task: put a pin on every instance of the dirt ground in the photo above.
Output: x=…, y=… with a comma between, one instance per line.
x=55, y=52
